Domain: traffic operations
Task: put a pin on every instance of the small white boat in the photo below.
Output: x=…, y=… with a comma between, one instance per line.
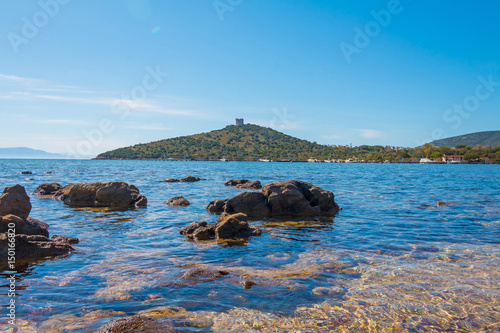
x=350, y=160
x=223, y=159
x=329, y=161
x=264, y=160
x=312, y=160
x=425, y=161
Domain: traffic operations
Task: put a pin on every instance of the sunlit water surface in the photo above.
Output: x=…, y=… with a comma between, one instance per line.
x=391, y=260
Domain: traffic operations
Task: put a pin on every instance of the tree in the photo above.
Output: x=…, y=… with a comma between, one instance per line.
x=436, y=154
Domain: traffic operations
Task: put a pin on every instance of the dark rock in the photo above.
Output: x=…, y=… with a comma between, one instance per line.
x=15, y=201
x=26, y=173
x=112, y=194
x=190, y=179
x=298, y=198
x=48, y=172
x=252, y=185
x=171, y=180
x=177, y=201
x=251, y=203
x=216, y=206
x=204, y=233
x=142, y=202
x=30, y=247
x=199, y=230
x=47, y=189
x=137, y=323
x=203, y=274
x=244, y=184
x=187, y=179
x=234, y=182
x=65, y=239
x=227, y=226
x=247, y=284
x=187, y=230
x=291, y=198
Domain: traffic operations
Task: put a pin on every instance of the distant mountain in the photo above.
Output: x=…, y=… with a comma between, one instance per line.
x=23, y=152
x=244, y=142
x=489, y=138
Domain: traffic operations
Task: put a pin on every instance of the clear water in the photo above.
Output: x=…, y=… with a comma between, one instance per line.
x=391, y=260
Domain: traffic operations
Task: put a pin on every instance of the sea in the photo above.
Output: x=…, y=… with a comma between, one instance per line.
x=415, y=248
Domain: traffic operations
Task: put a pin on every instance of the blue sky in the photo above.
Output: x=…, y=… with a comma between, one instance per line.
x=83, y=77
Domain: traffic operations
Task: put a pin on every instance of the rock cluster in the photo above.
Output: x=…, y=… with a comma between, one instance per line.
x=290, y=198
x=111, y=194
x=227, y=226
x=187, y=179
x=244, y=184
x=177, y=202
x=29, y=235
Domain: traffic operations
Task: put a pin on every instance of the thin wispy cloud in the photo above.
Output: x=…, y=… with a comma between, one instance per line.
x=370, y=133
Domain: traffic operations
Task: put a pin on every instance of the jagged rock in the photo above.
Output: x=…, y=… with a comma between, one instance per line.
x=32, y=247
x=15, y=201
x=26, y=173
x=291, y=198
x=47, y=189
x=216, y=206
x=137, y=323
x=187, y=179
x=112, y=194
x=65, y=239
x=227, y=226
x=177, y=201
x=244, y=184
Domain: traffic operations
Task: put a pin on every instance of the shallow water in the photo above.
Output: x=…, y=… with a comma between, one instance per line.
x=391, y=260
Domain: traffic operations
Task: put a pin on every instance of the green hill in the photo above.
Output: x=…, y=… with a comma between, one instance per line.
x=245, y=142
x=250, y=142
x=490, y=138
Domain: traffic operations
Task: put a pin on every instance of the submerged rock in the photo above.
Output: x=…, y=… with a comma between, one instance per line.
x=291, y=198
x=177, y=201
x=111, y=194
x=227, y=226
x=15, y=201
x=26, y=173
x=47, y=189
x=137, y=323
x=204, y=274
x=244, y=183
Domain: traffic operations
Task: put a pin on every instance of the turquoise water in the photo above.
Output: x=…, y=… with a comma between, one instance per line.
x=392, y=259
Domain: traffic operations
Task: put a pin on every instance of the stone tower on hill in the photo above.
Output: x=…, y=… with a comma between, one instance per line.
x=239, y=121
